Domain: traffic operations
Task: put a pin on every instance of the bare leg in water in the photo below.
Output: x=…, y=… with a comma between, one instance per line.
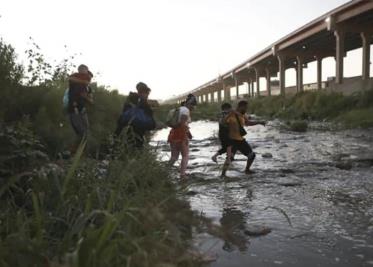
x=175, y=152
x=228, y=161
x=178, y=148
x=184, y=158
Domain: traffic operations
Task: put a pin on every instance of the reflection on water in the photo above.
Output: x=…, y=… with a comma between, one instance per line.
x=320, y=181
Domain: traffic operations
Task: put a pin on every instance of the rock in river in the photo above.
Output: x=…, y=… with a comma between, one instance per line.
x=267, y=155
x=257, y=230
x=344, y=165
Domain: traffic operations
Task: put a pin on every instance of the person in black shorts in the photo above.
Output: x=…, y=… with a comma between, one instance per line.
x=236, y=121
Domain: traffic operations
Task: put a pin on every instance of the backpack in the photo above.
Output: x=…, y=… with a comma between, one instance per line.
x=172, y=119
x=65, y=99
x=136, y=117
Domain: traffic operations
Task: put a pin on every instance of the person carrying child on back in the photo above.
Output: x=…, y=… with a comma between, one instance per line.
x=223, y=134
x=79, y=94
x=236, y=120
x=138, y=115
x=180, y=134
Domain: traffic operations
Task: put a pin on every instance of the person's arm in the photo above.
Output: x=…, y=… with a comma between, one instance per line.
x=77, y=80
x=86, y=97
x=252, y=123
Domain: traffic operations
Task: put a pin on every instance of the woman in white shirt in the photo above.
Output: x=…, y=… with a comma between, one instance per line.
x=179, y=137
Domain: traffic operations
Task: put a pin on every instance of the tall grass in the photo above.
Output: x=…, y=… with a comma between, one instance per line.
x=123, y=212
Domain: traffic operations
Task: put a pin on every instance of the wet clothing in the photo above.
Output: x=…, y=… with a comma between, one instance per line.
x=242, y=146
x=135, y=135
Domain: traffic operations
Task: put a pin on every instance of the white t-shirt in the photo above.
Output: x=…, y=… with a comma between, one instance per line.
x=184, y=111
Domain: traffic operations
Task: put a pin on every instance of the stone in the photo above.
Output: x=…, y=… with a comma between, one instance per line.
x=267, y=155
x=191, y=193
x=344, y=165
x=257, y=230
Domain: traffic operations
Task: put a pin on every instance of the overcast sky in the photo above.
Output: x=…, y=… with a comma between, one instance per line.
x=172, y=45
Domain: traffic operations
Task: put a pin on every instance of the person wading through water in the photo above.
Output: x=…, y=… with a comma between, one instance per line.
x=180, y=135
x=79, y=95
x=138, y=115
x=223, y=134
x=235, y=121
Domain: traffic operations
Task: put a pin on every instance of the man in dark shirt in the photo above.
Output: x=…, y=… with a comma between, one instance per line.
x=140, y=100
x=79, y=96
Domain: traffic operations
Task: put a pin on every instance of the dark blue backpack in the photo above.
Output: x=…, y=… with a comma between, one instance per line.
x=137, y=118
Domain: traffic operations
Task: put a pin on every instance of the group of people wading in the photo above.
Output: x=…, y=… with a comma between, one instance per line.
x=137, y=118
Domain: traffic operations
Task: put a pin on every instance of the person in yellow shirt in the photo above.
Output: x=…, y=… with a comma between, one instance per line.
x=236, y=121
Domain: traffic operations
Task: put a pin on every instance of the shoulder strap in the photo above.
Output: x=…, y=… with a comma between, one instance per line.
x=238, y=120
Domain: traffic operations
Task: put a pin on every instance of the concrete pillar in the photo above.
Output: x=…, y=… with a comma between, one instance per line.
x=252, y=89
x=248, y=88
x=340, y=51
x=319, y=72
x=257, y=79
x=219, y=94
x=366, y=38
x=237, y=88
x=268, y=78
x=299, y=74
x=281, y=70
x=212, y=97
x=228, y=93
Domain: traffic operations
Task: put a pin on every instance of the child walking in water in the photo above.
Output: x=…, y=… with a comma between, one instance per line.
x=179, y=136
x=223, y=134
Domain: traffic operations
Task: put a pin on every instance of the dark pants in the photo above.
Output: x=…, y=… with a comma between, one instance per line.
x=244, y=147
x=79, y=122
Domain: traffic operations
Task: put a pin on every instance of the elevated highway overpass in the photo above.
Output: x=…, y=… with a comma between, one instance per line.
x=333, y=34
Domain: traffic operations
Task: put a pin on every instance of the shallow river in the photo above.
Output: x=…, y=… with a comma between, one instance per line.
x=313, y=191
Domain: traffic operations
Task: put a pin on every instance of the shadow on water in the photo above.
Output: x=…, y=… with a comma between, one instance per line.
x=310, y=202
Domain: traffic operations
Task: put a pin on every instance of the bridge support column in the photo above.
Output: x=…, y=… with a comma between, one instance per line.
x=227, y=93
x=366, y=39
x=212, y=97
x=252, y=89
x=319, y=72
x=237, y=87
x=299, y=74
x=340, y=52
x=281, y=70
x=248, y=88
x=219, y=95
x=268, y=78
x=257, y=80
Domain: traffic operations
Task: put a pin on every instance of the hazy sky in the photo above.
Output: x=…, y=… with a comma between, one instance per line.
x=172, y=45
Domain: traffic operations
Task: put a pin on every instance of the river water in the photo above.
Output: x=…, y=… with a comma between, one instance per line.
x=313, y=191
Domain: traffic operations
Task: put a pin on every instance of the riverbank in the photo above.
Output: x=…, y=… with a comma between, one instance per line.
x=348, y=111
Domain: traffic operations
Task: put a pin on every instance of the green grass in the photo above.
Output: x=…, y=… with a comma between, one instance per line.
x=74, y=214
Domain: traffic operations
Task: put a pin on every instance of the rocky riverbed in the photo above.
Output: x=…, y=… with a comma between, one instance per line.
x=309, y=203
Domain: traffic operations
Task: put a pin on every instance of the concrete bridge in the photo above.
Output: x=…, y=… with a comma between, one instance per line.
x=343, y=29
